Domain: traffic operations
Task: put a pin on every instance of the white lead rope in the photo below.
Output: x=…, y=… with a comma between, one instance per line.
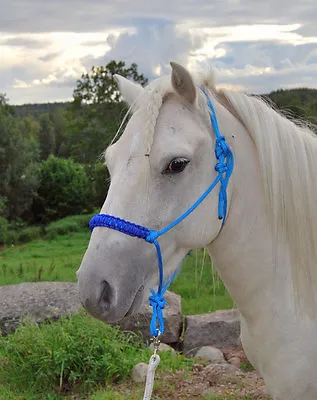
x=153, y=363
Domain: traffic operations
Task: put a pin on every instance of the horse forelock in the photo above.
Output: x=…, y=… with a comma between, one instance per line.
x=148, y=105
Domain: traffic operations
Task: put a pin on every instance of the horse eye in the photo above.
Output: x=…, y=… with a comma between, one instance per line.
x=177, y=165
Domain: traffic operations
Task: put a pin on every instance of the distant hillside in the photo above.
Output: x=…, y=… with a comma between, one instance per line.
x=35, y=110
x=298, y=96
x=301, y=103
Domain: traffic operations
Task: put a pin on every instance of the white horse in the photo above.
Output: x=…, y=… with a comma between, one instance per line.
x=266, y=251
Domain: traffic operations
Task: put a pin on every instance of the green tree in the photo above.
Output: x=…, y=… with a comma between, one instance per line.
x=46, y=137
x=298, y=103
x=99, y=178
x=64, y=190
x=18, y=164
x=96, y=111
x=59, y=124
x=99, y=86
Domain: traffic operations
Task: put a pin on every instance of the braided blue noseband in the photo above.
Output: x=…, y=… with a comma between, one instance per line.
x=224, y=167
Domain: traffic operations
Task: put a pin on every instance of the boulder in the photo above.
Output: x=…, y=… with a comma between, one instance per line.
x=164, y=347
x=139, y=372
x=172, y=315
x=38, y=301
x=220, y=329
x=49, y=300
x=210, y=353
x=216, y=374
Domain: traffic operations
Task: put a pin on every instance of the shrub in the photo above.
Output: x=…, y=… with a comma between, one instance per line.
x=99, y=177
x=79, y=352
x=63, y=226
x=64, y=190
x=12, y=235
x=29, y=234
x=3, y=229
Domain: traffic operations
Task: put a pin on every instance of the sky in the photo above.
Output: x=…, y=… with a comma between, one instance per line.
x=253, y=46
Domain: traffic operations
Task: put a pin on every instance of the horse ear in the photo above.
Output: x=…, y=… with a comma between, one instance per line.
x=130, y=91
x=182, y=82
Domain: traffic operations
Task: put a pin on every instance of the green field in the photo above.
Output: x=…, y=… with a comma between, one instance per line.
x=58, y=260
x=55, y=361
x=44, y=260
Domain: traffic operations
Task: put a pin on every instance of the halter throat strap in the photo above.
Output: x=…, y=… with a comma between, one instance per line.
x=224, y=167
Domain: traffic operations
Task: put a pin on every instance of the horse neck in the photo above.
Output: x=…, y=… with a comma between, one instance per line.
x=244, y=252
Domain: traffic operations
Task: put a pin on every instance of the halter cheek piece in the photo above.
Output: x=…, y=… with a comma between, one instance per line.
x=224, y=167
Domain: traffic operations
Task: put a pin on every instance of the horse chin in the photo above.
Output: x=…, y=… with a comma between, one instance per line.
x=136, y=303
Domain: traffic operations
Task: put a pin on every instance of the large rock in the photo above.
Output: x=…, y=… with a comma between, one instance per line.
x=139, y=372
x=210, y=353
x=220, y=329
x=38, y=301
x=172, y=316
x=48, y=300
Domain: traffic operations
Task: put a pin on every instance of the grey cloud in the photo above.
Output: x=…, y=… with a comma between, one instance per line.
x=67, y=84
x=302, y=76
x=153, y=46
x=291, y=66
x=37, y=94
x=25, y=42
x=49, y=57
x=266, y=54
x=62, y=88
x=156, y=40
x=95, y=15
x=26, y=72
x=309, y=29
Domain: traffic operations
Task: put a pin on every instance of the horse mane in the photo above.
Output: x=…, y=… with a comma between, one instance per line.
x=288, y=162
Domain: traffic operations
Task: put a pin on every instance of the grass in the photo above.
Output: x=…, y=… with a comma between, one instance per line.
x=17, y=233
x=246, y=367
x=58, y=259
x=44, y=260
x=75, y=354
x=82, y=356
x=200, y=287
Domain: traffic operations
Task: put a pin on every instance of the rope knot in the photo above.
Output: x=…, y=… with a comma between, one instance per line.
x=221, y=148
x=157, y=301
x=221, y=167
x=152, y=236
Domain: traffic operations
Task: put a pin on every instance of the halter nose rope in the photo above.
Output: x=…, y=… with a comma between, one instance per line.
x=224, y=167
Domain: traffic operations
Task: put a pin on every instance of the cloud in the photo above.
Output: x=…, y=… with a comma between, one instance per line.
x=24, y=42
x=252, y=45
x=49, y=56
x=100, y=15
x=152, y=46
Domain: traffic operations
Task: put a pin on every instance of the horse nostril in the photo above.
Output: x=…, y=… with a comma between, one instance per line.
x=105, y=298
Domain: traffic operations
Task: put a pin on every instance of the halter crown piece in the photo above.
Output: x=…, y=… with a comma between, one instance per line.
x=224, y=167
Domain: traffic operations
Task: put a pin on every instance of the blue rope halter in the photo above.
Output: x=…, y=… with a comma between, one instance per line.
x=224, y=167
